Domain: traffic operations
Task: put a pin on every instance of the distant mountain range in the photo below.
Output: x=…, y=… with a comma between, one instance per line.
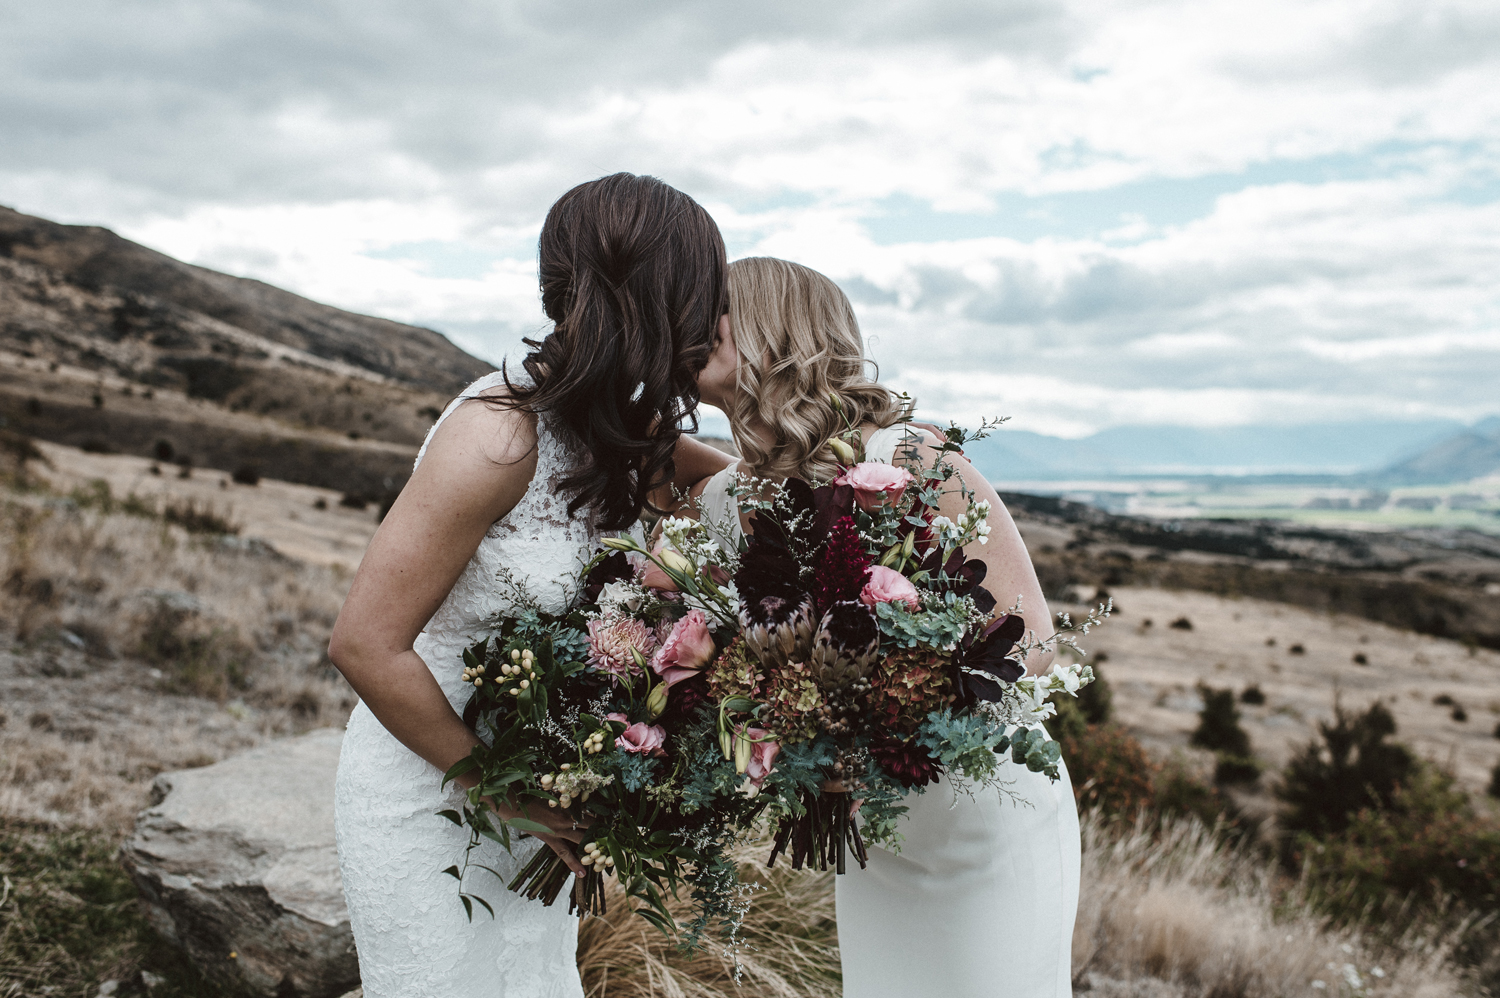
x=1387, y=452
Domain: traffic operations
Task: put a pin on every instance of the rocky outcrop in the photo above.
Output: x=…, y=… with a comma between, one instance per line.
x=236, y=864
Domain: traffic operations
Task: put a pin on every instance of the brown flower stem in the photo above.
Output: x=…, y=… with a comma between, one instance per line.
x=826, y=833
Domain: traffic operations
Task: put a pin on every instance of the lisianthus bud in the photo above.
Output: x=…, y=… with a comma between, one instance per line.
x=656, y=700
x=744, y=749
x=621, y=543
x=674, y=559
x=842, y=451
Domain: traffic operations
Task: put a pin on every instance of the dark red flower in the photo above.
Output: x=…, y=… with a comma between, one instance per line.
x=845, y=566
x=684, y=699
x=907, y=763
x=615, y=568
x=987, y=654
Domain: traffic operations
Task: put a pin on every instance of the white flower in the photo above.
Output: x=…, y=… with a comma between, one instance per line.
x=620, y=597
x=1320, y=985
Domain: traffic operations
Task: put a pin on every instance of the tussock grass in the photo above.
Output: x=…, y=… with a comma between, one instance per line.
x=1176, y=904
x=137, y=646
x=790, y=945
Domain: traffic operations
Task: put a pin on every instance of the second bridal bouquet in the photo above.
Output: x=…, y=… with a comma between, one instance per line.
x=856, y=654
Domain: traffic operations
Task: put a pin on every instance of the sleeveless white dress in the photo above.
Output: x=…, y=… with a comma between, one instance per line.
x=980, y=902
x=413, y=938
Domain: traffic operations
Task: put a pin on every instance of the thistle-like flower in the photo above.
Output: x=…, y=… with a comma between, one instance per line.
x=777, y=632
x=845, y=645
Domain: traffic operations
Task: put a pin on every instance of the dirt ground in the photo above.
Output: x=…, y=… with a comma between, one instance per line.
x=1303, y=662
x=284, y=515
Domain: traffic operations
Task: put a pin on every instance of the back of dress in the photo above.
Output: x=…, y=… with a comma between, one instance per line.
x=413, y=938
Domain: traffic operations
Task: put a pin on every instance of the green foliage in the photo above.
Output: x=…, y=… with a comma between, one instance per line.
x=925, y=628
x=1096, y=700
x=71, y=920
x=1354, y=768
x=1427, y=845
x=1219, y=724
x=1236, y=769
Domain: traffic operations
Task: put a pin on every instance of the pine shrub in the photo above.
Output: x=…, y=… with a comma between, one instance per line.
x=1354, y=768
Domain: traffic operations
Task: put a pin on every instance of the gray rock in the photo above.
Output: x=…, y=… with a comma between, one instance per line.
x=236, y=864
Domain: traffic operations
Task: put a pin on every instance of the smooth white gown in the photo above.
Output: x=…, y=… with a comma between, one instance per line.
x=981, y=899
x=413, y=938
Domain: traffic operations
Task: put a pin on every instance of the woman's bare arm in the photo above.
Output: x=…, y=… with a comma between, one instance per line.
x=1009, y=572
x=694, y=462
x=475, y=470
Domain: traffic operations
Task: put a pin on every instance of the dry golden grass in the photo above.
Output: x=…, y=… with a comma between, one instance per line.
x=790, y=945
x=1175, y=914
x=1180, y=907
x=135, y=647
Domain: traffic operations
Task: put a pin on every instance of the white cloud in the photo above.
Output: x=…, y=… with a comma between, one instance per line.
x=1201, y=213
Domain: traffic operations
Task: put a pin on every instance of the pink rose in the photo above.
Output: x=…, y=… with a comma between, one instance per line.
x=646, y=739
x=617, y=716
x=887, y=585
x=875, y=483
x=688, y=648
x=762, y=756
x=613, y=642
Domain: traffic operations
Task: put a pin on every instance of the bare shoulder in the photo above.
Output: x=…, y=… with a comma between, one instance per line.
x=481, y=458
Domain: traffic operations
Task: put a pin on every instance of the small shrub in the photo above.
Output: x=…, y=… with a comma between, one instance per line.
x=1252, y=695
x=1427, y=846
x=246, y=474
x=353, y=500
x=1353, y=768
x=1296, y=650
x=93, y=445
x=320, y=503
x=1443, y=700
x=431, y=412
x=1096, y=700
x=1459, y=714
x=1181, y=624
x=196, y=658
x=164, y=451
x=1236, y=769
x=1360, y=658
x=1219, y=724
x=198, y=520
x=1497, y=730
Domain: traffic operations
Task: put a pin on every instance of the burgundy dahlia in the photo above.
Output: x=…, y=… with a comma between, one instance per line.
x=907, y=763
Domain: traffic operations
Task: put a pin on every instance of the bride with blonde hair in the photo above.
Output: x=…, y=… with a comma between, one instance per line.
x=980, y=900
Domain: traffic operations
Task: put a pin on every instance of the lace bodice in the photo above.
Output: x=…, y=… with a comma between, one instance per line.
x=533, y=556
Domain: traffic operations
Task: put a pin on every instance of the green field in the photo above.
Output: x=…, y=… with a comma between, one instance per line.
x=1473, y=505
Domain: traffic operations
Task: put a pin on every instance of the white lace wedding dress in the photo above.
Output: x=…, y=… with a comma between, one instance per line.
x=413, y=938
x=980, y=901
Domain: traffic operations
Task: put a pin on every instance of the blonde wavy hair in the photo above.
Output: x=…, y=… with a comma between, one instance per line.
x=799, y=344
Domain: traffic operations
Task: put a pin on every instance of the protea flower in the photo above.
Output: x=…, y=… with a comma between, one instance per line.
x=845, y=644
x=909, y=764
x=775, y=631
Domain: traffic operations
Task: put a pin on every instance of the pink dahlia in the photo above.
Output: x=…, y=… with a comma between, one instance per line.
x=614, y=642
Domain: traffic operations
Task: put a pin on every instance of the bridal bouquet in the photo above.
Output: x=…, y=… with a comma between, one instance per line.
x=856, y=654
x=573, y=714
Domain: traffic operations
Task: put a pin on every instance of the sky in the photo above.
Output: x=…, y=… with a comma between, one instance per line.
x=1081, y=215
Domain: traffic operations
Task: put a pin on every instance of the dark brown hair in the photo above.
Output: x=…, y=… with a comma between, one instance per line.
x=634, y=279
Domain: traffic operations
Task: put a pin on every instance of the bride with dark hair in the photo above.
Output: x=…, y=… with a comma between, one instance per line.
x=509, y=494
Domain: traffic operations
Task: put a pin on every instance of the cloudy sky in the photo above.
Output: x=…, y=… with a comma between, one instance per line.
x=1192, y=212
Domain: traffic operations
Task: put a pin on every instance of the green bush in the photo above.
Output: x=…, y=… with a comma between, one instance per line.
x=1219, y=724
x=1353, y=768
x=195, y=658
x=1114, y=775
x=71, y=920
x=1428, y=846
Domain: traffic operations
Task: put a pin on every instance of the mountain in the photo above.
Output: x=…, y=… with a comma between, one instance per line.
x=160, y=300
x=1471, y=453
x=110, y=346
x=1328, y=448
